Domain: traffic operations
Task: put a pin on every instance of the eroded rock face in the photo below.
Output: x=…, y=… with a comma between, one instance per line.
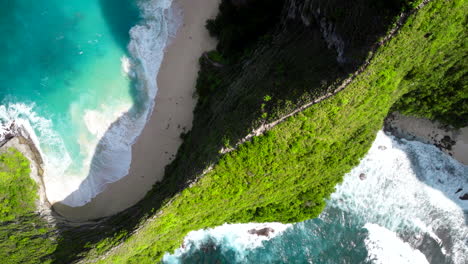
x=348, y=27
x=16, y=136
x=309, y=13
x=8, y=132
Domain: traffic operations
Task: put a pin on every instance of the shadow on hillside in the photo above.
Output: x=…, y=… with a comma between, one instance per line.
x=201, y=146
x=293, y=67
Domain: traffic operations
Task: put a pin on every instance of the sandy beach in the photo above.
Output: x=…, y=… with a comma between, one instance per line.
x=172, y=115
x=452, y=141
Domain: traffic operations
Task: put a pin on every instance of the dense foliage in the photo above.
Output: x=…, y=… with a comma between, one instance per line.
x=23, y=234
x=442, y=95
x=285, y=174
x=18, y=192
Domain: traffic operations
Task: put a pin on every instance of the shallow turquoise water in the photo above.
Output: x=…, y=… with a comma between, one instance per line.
x=61, y=73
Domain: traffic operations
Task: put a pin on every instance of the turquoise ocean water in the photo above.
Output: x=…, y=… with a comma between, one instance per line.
x=79, y=75
x=405, y=210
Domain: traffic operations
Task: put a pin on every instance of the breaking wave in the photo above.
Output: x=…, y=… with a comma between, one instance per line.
x=401, y=204
x=105, y=133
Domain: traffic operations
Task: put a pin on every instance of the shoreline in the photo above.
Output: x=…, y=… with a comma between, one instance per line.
x=451, y=141
x=172, y=114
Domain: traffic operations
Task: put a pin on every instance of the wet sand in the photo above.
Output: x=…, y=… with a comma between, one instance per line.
x=172, y=115
x=452, y=141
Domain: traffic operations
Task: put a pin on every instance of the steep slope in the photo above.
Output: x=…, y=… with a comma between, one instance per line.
x=307, y=154
x=343, y=70
x=23, y=232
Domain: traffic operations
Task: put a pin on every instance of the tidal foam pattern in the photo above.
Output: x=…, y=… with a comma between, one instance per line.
x=401, y=204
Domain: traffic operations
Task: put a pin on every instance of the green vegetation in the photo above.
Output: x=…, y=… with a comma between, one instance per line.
x=286, y=174
x=308, y=154
x=24, y=236
x=443, y=95
x=18, y=192
x=28, y=239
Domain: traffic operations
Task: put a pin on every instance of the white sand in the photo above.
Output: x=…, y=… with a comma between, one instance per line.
x=158, y=144
x=431, y=132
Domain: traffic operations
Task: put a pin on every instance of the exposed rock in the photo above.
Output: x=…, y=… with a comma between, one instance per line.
x=447, y=143
x=459, y=190
x=309, y=14
x=262, y=232
x=346, y=26
x=8, y=132
x=362, y=176
x=382, y=147
x=448, y=139
x=464, y=197
x=15, y=136
x=206, y=248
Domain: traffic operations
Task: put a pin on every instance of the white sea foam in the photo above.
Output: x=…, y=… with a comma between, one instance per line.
x=126, y=66
x=409, y=187
x=24, y=115
x=231, y=236
x=107, y=133
x=41, y=132
x=100, y=121
x=112, y=157
x=407, y=201
x=385, y=247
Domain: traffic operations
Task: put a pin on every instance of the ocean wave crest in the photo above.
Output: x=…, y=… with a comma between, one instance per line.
x=113, y=155
x=106, y=134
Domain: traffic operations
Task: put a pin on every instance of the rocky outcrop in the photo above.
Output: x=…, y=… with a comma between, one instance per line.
x=309, y=12
x=348, y=27
x=8, y=132
x=15, y=136
x=262, y=232
x=450, y=140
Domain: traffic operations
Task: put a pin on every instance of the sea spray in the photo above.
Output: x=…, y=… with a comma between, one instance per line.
x=112, y=158
x=241, y=237
x=401, y=204
x=92, y=96
x=385, y=247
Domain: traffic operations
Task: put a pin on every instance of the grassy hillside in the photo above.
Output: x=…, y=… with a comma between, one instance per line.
x=18, y=192
x=23, y=234
x=286, y=174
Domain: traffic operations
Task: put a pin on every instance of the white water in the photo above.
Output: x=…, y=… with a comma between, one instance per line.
x=113, y=157
x=385, y=247
x=107, y=132
x=229, y=235
x=406, y=208
x=410, y=187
